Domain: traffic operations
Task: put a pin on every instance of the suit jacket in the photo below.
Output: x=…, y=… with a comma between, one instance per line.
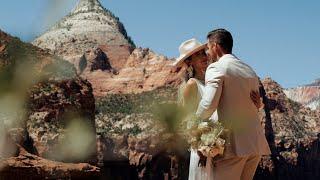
x=228, y=84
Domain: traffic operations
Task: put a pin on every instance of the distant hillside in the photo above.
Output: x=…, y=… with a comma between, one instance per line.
x=308, y=95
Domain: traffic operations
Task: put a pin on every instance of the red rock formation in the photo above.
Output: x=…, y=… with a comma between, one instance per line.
x=52, y=107
x=292, y=132
x=308, y=95
x=92, y=60
x=144, y=71
x=49, y=103
x=132, y=71
x=29, y=166
x=117, y=55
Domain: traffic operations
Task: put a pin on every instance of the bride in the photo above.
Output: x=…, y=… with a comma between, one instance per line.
x=194, y=60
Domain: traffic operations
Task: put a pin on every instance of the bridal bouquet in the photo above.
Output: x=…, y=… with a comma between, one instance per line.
x=205, y=136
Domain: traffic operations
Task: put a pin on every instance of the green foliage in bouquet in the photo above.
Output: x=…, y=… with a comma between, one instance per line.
x=205, y=136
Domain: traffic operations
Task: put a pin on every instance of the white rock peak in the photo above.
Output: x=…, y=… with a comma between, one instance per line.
x=88, y=25
x=87, y=6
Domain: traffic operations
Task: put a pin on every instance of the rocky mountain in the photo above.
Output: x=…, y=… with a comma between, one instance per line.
x=44, y=106
x=143, y=71
x=94, y=40
x=315, y=83
x=88, y=26
x=308, y=95
x=292, y=131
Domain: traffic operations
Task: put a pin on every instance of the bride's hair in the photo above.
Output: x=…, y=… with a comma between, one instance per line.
x=190, y=72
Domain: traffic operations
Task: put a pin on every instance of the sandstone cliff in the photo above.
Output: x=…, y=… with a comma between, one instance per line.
x=144, y=71
x=308, y=95
x=41, y=100
x=293, y=135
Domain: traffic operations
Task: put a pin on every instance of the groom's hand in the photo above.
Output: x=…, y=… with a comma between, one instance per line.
x=202, y=159
x=255, y=97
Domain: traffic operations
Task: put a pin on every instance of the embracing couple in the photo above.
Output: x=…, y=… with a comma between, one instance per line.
x=219, y=87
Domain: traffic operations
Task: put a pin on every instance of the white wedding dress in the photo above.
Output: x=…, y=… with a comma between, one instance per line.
x=196, y=172
x=199, y=173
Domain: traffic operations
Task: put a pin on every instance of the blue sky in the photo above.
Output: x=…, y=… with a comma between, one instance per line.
x=278, y=38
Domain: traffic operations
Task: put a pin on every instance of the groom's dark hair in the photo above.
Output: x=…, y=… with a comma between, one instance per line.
x=221, y=37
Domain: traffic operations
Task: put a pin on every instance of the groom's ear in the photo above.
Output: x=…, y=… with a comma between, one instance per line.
x=219, y=48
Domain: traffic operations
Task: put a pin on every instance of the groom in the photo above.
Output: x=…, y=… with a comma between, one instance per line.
x=228, y=83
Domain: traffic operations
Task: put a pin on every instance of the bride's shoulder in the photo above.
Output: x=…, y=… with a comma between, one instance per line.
x=192, y=82
x=190, y=85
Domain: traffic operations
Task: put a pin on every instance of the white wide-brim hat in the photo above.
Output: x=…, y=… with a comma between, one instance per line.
x=188, y=48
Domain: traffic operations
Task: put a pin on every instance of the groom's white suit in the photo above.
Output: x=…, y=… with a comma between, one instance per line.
x=228, y=83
